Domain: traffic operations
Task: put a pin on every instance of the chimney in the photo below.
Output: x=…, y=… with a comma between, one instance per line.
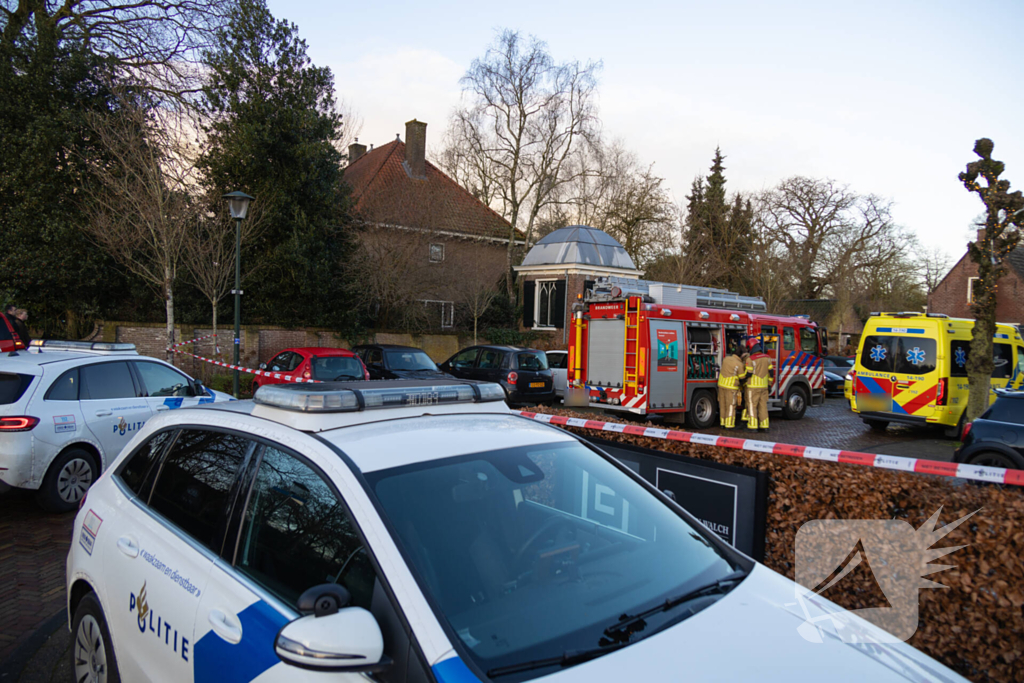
x=355, y=150
x=416, y=148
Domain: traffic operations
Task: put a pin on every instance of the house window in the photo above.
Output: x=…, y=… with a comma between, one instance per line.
x=546, y=304
x=436, y=253
x=970, y=289
x=446, y=310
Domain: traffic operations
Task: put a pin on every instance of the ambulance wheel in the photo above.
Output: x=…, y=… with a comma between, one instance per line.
x=877, y=425
x=795, y=404
x=996, y=459
x=703, y=411
x=69, y=477
x=92, y=652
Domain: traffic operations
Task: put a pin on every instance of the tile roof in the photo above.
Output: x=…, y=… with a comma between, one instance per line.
x=384, y=192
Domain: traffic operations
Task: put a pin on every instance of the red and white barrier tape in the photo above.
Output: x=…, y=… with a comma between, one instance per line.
x=997, y=475
x=264, y=373
x=190, y=341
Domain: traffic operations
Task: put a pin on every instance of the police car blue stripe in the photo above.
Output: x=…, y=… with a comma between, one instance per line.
x=453, y=670
x=173, y=402
x=218, y=661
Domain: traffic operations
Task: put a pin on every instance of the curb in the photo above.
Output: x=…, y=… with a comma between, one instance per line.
x=992, y=475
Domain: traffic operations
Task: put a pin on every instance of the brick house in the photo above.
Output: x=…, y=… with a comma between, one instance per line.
x=424, y=239
x=953, y=294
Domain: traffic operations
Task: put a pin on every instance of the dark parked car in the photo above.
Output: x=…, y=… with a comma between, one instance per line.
x=835, y=381
x=841, y=364
x=391, y=361
x=997, y=437
x=522, y=372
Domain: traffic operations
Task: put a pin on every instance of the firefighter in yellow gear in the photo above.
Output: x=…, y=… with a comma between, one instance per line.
x=761, y=369
x=729, y=378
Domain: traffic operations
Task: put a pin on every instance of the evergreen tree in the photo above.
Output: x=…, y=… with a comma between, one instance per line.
x=273, y=133
x=718, y=235
x=47, y=265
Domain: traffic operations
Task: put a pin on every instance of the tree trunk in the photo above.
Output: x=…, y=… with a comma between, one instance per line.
x=475, y=318
x=979, y=363
x=169, y=304
x=216, y=341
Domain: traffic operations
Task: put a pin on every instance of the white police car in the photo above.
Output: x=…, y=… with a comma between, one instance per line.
x=420, y=532
x=68, y=408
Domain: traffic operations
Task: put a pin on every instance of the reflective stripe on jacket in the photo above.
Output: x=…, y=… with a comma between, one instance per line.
x=731, y=373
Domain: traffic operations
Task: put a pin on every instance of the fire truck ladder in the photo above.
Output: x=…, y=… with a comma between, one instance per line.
x=630, y=361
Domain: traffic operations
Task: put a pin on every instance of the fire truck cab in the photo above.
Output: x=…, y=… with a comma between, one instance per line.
x=630, y=352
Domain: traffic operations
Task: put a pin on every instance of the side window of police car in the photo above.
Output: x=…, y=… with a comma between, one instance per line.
x=65, y=387
x=160, y=380
x=102, y=381
x=137, y=471
x=194, y=484
x=296, y=533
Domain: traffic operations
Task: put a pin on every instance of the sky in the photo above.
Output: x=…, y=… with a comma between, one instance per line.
x=887, y=97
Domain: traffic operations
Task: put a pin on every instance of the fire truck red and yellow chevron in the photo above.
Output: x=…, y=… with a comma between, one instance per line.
x=995, y=475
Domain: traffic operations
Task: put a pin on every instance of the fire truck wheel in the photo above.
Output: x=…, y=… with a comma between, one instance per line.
x=796, y=403
x=703, y=410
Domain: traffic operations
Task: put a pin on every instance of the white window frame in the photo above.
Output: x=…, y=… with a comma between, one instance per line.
x=970, y=289
x=447, y=312
x=430, y=252
x=539, y=287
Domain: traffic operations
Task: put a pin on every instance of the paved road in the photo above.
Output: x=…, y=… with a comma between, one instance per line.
x=34, y=545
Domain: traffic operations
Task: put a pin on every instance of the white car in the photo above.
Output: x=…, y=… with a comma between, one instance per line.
x=418, y=531
x=558, y=361
x=67, y=409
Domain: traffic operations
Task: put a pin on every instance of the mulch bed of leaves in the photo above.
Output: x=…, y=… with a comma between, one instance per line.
x=976, y=625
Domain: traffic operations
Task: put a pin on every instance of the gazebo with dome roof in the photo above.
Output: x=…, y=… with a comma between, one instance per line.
x=561, y=267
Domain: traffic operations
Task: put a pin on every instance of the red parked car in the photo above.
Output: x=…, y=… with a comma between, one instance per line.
x=9, y=339
x=312, y=362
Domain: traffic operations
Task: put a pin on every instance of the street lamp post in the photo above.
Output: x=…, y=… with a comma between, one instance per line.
x=238, y=205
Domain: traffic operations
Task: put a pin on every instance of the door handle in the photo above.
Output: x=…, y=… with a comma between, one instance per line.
x=102, y=413
x=128, y=546
x=163, y=407
x=226, y=627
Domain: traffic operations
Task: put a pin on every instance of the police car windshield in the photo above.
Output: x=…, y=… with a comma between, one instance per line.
x=533, y=551
x=409, y=360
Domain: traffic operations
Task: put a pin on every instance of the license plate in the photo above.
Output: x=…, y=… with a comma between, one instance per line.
x=536, y=385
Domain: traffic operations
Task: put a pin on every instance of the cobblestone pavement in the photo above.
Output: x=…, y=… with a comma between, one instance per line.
x=33, y=547
x=834, y=425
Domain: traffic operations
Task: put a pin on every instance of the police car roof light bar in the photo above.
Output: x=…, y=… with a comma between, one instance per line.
x=60, y=344
x=345, y=397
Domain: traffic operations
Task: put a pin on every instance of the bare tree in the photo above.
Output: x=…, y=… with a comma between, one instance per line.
x=209, y=255
x=935, y=263
x=521, y=122
x=157, y=43
x=827, y=230
x=476, y=286
x=143, y=211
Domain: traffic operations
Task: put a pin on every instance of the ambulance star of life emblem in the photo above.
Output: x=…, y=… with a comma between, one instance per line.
x=961, y=357
x=878, y=353
x=890, y=552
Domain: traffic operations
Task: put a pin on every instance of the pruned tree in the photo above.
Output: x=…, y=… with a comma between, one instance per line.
x=142, y=208
x=477, y=284
x=522, y=120
x=1004, y=218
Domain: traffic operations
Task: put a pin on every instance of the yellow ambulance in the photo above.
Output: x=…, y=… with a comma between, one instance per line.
x=912, y=368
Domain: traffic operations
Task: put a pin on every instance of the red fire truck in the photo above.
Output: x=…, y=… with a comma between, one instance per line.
x=628, y=352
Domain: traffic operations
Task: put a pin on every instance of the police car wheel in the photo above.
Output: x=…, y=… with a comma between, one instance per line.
x=67, y=480
x=795, y=404
x=92, y=653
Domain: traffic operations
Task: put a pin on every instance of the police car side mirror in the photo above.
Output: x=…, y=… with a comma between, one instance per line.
x=346, y=640
x=197, y=388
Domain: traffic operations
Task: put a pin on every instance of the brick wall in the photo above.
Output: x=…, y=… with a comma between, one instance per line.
x=950, y=296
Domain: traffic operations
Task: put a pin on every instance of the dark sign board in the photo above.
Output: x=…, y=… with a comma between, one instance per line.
x=730, y=501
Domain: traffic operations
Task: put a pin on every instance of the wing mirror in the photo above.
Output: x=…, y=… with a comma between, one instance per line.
x=332, y=636
x=197, y=388
x=263, y=366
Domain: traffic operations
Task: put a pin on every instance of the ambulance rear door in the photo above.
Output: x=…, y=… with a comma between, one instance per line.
x=899, y=371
